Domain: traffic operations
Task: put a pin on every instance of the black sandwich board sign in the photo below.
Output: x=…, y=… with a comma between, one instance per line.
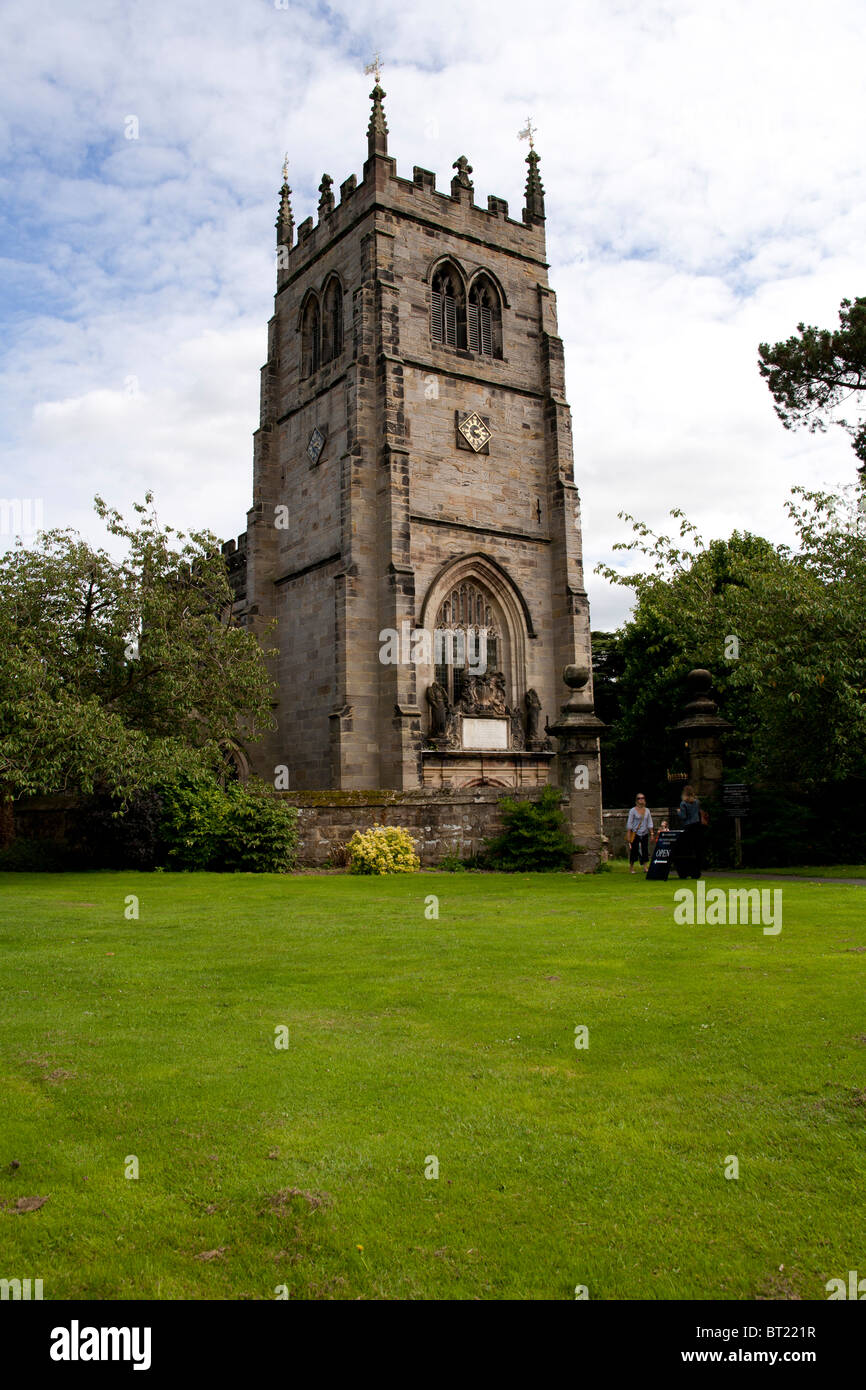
x=735, y=799
x=660, y=866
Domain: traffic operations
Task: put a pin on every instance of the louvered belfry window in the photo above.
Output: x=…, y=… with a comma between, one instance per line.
x=332, y=322
x=446, y=310
x=336, y=318
x=464, y=614
x=315, y=340
x=310, y=338
x=480, y=329
x=484, y=320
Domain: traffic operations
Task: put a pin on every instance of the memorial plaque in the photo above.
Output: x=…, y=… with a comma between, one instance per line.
x=485, y=734
x=735, y=799
x=660, y=864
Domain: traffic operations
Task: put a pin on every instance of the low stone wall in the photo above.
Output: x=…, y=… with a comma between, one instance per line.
x=441, y=822
x=614, y=828
x=450, y=822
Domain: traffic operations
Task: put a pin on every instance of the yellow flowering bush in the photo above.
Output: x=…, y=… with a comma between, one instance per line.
x=383, y=850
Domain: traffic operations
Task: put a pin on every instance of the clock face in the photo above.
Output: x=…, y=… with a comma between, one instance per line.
x=316, y=445
x=475, y=432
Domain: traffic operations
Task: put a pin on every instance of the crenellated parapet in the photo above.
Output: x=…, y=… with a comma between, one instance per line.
x=381, y=186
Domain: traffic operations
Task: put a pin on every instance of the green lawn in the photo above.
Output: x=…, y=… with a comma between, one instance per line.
x=411, y=1038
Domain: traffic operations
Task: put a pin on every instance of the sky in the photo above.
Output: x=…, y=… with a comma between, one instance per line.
x=705, y=192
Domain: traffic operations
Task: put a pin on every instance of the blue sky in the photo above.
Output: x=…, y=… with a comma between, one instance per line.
x=705, y=191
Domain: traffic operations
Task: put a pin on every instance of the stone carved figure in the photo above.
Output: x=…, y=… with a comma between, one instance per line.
x=437, y=699
x=518, y=738
x=452, y=729
x=533, y=715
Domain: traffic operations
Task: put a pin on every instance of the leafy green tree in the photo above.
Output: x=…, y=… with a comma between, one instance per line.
x=781, y=630
x=119, y=674
x=607, y=670
x=815, y=371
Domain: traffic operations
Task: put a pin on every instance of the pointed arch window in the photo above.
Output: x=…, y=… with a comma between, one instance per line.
x=332, y=321
x=484, y=318
x=467, y=635
x=311, y=340
x=448, y=309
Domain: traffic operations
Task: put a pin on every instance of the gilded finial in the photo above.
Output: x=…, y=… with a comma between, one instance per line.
x=528, y=132
x=286, y=168
x=375, y=68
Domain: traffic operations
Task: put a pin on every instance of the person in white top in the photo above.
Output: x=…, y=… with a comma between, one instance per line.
x=637, y=832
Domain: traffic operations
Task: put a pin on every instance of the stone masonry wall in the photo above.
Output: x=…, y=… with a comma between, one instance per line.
x=447, y=823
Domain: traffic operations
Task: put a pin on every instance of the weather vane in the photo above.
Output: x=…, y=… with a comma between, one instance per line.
x=528, y=132
x=286, y=168
x=374, y=68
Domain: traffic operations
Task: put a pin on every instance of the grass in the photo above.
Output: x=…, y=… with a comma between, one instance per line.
x=411, y=1037
x=797, y=871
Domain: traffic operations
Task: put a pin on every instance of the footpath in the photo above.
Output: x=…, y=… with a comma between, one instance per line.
x=782, y=878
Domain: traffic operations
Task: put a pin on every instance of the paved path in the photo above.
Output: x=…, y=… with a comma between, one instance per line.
x=782, y=878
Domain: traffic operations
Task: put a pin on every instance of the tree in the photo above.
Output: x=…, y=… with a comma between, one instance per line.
x=117, y=674
x=812, y=373
x=780, y=629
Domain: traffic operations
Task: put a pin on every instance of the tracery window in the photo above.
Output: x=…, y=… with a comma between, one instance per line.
x=467, y=638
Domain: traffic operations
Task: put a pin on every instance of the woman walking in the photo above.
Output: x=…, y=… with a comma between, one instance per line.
x=637, y=832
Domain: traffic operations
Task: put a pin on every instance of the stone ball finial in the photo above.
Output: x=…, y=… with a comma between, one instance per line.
x=576, y=677
x=699, y=681
x=700, y=700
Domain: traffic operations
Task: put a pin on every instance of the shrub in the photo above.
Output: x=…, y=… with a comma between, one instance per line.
x=260, y=832
x=382, y=850
x=451, y=863
x=194, y=823
x=534, y=838
x=108, y=838
x=238, y=829
x=36, y=857
x=820, y=825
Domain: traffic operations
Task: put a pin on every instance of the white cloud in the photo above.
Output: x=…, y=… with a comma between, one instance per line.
x=705, y=192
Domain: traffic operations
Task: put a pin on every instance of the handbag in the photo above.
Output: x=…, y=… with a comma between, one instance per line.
x=705, y=818
x=630, y=834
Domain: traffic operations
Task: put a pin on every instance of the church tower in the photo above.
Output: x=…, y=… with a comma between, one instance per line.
x=415, y=537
